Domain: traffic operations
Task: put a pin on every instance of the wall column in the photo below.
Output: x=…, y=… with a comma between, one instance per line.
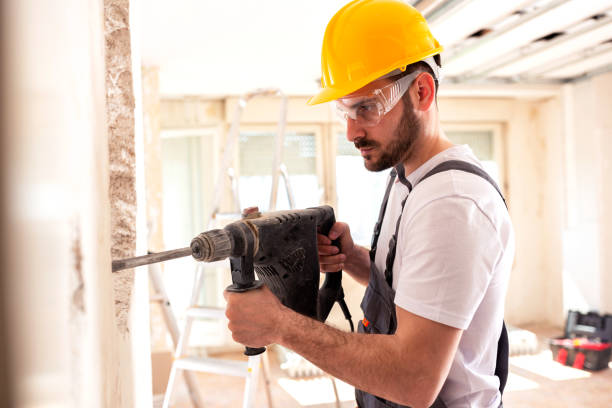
x=56, y=288
x=133, y=371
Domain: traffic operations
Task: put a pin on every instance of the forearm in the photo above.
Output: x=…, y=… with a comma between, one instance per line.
x=357, y=264
x=379, y=364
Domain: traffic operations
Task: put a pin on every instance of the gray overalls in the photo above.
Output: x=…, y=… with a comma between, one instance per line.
x=378, y=302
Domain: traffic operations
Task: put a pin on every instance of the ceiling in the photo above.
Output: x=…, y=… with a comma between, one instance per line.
x=227, y=47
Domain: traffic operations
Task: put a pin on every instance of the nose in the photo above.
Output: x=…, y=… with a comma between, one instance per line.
x=353, y=130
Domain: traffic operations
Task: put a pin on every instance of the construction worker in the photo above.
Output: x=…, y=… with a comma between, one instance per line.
x=443, y=247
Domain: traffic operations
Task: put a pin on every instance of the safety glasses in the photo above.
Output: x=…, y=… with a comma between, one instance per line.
x=368, y=110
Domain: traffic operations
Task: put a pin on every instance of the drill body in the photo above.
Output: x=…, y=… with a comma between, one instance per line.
x=281, y=248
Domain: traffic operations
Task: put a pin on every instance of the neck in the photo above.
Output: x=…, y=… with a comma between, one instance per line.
x=431, y=142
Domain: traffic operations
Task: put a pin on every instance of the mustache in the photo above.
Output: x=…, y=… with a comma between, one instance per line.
x=361, y=143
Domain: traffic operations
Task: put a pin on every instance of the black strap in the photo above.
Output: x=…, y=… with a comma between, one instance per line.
x=401, y=176
x=468, y=168
x=381, y=215
x=393, y=247
x=501, y=363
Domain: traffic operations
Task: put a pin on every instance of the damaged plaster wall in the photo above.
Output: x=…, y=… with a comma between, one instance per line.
x=130, y=381
x=121, y=142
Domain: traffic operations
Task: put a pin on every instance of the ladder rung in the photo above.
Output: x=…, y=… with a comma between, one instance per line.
x=213, y=365
x=157, y=298
x=227, y=216
x=206, y=312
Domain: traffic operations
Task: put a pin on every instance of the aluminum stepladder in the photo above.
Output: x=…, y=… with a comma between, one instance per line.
x=278, y=167
x=250, y=369
x=160, y=296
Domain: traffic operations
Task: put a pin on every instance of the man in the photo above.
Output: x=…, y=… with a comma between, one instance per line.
x=442, y=250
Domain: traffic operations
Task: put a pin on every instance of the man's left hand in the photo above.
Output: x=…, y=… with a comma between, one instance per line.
x=254, y=316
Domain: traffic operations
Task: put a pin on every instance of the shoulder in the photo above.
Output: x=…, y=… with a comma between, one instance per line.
x=453, y=193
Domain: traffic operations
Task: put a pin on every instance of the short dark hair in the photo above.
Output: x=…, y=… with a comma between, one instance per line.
x=424, y=67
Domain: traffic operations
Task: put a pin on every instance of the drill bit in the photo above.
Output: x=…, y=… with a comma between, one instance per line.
x=128, y=263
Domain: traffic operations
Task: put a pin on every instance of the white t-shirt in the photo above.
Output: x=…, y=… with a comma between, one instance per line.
x=454, y=254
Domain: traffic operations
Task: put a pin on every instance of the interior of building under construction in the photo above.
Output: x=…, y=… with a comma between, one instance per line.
x=131, y=126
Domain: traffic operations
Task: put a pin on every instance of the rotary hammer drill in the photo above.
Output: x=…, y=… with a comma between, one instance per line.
x=281, y=248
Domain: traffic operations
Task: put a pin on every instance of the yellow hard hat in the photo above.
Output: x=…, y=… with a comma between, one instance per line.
x=367, y=39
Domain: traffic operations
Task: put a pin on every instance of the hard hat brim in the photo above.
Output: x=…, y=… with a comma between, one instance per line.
x=328, y=94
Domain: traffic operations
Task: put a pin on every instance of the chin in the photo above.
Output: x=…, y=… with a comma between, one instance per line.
x=374, y=166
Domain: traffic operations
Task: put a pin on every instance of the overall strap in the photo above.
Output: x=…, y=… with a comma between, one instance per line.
x=381, y=215
x=468, y=168
x=393, y=240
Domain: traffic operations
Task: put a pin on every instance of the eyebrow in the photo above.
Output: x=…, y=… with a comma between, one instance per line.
x=355, y=105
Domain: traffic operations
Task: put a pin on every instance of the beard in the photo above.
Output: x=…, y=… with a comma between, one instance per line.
x=401, y=145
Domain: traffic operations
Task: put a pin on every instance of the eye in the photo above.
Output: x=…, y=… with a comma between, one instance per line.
x=367, y=108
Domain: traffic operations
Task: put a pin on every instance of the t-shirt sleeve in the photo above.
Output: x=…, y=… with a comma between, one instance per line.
x=448, y=251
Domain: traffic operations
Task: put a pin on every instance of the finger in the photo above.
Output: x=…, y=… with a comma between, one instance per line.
x=323, y=240
x=336, y=230
x=328, y=250
x=331, y=268
x=332, y=259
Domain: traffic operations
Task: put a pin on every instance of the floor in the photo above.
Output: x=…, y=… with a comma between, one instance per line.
x=535, y=380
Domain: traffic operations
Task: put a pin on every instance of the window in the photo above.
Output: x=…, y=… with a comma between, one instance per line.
x=186, y=157
x=182, y=187
x=360, y=191
x=256, y=162
x=485, y=140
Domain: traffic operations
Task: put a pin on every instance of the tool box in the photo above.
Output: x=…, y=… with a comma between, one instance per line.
x=587, y=342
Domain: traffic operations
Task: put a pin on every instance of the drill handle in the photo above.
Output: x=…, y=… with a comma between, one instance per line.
x=331, y=291
x=253, y=351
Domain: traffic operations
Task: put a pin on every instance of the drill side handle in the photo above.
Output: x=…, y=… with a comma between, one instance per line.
x=331, y=290
x=243, y=277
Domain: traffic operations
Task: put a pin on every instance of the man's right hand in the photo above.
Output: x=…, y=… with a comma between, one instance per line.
x=351, y=258
x=332, y=258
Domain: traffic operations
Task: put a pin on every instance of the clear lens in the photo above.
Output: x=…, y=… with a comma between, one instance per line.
x=368, y=110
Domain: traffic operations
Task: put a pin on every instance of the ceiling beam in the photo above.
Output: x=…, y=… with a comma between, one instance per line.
x=446, y=9
x=454, y=27
x=588, y=63
x=464, y=51
x=427, y=6
x=603, y=70
x=525, y=52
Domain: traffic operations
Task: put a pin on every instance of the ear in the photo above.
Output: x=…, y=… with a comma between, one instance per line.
x=423, y=91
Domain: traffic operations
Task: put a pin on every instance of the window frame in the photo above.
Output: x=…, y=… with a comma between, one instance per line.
x=210, y=157
x=289, y=128
x=499, y=145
